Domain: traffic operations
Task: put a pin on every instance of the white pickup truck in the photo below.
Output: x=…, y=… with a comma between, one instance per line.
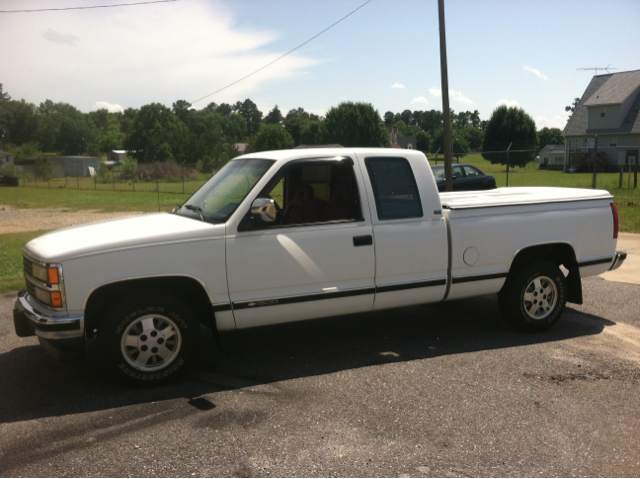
x=297, y=234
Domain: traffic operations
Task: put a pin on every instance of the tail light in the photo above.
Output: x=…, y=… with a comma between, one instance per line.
x=614, y=211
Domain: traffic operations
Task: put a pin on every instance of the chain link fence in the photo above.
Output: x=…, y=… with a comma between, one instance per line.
x=165, y=177
x=159, y=177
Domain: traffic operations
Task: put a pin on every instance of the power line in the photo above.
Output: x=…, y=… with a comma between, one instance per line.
x=85, y=8
x=283, y=55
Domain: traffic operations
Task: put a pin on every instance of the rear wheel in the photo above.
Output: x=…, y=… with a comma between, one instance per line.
x=149, y=340
x=535, y=298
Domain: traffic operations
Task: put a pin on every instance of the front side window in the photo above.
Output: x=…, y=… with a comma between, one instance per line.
x=310, y=192
x=219, y=197
x=394, y=188
x=471, y=172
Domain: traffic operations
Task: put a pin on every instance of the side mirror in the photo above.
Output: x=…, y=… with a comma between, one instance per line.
x=454, y=177
x=265, y=208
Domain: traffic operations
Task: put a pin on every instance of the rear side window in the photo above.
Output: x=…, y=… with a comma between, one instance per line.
x=394, y=188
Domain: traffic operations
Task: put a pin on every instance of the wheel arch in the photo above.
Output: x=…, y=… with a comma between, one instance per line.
x=558, y=253
x=186, y=288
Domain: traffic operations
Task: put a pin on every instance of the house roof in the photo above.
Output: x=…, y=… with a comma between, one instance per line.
x=405, y=141
x=616, y=89
x=579, y=121
x=553, y=149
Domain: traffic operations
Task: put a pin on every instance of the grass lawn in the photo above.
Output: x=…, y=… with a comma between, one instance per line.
x=75, y=200
x=11, y=244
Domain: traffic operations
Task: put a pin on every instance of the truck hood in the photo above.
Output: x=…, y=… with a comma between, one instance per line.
x=124, y=233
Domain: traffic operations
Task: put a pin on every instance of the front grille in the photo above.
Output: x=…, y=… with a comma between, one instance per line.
x=28, y=266
x=32, y=289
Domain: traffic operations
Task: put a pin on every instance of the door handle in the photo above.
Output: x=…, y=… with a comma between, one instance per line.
x=365, y=240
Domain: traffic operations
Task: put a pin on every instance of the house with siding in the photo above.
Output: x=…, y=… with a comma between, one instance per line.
x=608, y=110
x=551, y=156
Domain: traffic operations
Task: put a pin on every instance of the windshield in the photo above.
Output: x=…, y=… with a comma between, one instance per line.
x=219, y=197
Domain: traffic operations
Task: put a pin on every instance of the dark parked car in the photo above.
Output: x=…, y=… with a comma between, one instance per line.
x=465, y=177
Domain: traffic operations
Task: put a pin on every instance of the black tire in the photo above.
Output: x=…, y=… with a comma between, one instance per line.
x=534, y=298
x=149, y=340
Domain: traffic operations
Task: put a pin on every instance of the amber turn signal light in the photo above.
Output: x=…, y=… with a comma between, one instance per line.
x=53, y=276
x=56, y=299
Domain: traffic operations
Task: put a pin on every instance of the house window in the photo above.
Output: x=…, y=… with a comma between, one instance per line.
x=591, y=143
x=613, y=141
x=603, y=112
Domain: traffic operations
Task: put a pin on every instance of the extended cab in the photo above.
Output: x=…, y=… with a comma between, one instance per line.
x=291, y=235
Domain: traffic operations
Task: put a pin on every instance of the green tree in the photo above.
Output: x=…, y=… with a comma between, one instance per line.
x=473, y=135
x=313, y=132
x=460, y=144
x=182, y=109
x=272, y=137
x=19, y=122
x=573, y=106
x=274, y=117
x=356, y=124
x=65, y=129
x=253, y=116
x=4, y=96
x=111, y=138
x=550, y=136
x=423, y=139
x=389, y=118
x=234, y=127
x=510, y=125
x=157, y=135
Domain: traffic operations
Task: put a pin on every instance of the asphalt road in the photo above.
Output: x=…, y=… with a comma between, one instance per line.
x=440, y=390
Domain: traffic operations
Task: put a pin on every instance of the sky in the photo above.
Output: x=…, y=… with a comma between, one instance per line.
x=522, y=53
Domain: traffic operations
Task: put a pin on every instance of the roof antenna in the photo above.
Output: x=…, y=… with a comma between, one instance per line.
x=607, y=68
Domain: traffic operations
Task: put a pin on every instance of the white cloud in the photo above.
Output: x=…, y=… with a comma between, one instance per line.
x=397, y=85
x=454, y=95
x=508, y=103
x=538, y=73
x=557, y=121
x=57, y=37
x=135, y=56
x=111, y=107
x=420, y=99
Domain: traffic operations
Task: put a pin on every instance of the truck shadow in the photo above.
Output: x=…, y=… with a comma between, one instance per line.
x=36, y=386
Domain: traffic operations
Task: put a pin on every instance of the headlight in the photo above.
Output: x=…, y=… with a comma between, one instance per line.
x=46, y=275
x=52, y=298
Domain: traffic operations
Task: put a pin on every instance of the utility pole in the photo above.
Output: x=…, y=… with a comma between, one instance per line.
x=595, y=165
x=445, y=100
x=508, y=162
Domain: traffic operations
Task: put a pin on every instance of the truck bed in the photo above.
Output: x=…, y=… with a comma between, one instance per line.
x=518, y=196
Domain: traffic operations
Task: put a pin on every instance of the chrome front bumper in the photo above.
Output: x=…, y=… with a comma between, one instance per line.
x=28, y=322
x=618, y=259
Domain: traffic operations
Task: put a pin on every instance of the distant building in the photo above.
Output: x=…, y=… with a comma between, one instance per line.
x=6, y=158
x=551, y=156
x=117, y=156
x=403, y=142
x=609, y=108
x=73, y=166
x=241, y=147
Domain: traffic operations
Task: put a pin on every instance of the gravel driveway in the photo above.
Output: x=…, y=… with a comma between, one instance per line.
x=14, y=220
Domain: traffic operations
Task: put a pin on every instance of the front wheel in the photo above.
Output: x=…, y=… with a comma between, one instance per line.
x=535, y=298
x=149, y=340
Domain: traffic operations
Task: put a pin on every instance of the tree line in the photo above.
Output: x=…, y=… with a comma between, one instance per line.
x=181, y=133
